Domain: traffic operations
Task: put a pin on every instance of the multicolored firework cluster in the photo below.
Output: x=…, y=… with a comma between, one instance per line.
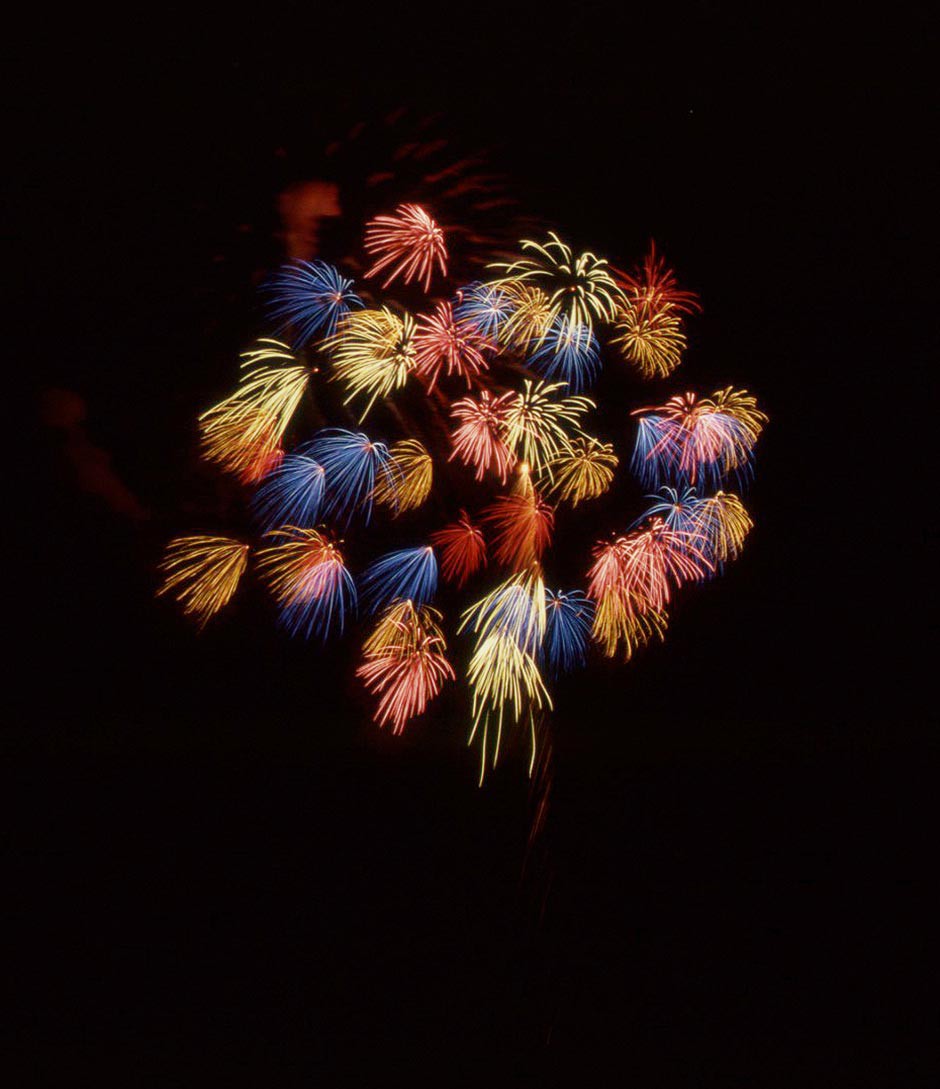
x=497, y=372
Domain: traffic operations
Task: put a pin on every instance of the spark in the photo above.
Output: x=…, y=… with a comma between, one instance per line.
x=485, y=307
x=569, y=353
x=568, y=619
x=522, y=526
x=354, y=465
x=291, y=494
x=539, y=425
x=584, y=469
x=479, y=440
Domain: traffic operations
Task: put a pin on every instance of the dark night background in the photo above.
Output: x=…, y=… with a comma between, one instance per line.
x=218, y=870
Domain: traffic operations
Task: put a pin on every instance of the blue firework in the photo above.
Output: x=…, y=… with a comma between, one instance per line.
x=655, y=451
x=568, y=353
x=292, y=494
x=328, y=594
x=568, y=619
x=353, y=465
x=682, y=512
x=310, y=297
x=409, y=574
x=484, y=306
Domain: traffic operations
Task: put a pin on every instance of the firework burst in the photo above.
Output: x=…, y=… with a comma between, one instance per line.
x=409, y=243
x=309, y=581
x=353, y=465
x=479, y=439
x=579, y=287
x=309, y=298
x=521, y=526
x=291, y=494
x=408, y=485
x=202, y=573
x=569, y=353
x=405, y=663
x=443, y=345
x=463, y=550
x=373, y=353
x=568, y=620
x=409, y=574
x=484, y=307
x=540, y=425
x=584, y=469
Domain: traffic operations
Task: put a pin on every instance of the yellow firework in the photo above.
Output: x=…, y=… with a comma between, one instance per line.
x=202, y=573
x=246, y=428
x=530, y=318
x=580, y=287
x=741, y=406
x=402, y=628
x=408, y=484
x=583, y=470
x=373, y=353
x=725, y=523
x=618, y=619
x=650, y=337
x=539, y=425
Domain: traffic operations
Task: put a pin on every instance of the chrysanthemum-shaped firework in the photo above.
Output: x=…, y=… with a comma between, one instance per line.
x=478, y=410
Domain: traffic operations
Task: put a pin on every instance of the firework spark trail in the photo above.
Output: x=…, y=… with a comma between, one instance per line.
x=539, y=425
x=202, y=573
x=583, y=470
x=409, y=242
x=485, y=307
x=569, y=353
x=569, y=617
x=463, y=550
x=521, y=526
x=308, y=578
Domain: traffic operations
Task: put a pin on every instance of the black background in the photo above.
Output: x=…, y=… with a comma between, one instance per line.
x=220, y=871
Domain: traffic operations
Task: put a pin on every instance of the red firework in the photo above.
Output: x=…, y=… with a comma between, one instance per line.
x=654, y=285
x=479, y=438
x=441, y=343
x=462, y=549
x=408, y=240
x=522, y=527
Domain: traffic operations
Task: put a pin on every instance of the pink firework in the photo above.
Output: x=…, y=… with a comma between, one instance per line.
x=479, y=438
x=409, y=242
x=462, y=549
x=522, y=527
x=443, y=344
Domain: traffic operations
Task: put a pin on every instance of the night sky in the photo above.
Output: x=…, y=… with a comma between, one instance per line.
x=220, y=870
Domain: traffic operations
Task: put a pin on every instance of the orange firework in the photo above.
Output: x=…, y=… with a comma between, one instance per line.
x=443, y=344
x=405, y=663
x=462, y=549
x=410, y=242
x=479, y=439
x=522, y=525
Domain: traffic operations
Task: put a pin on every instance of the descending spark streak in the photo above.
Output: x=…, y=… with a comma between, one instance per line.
x=405, y=663
x=530, y=317
x=353, y=464
x=409, y=574
x=310, y=297
x=650, y=337
x=445, y=345
x=242, y=434
x=373, y=353
x=410, y=241
x=463, y=550
x=309, y=581
x=409, y=484
x=479, y=440
x=203, y=573
x=581, y=287
x=725, y=523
